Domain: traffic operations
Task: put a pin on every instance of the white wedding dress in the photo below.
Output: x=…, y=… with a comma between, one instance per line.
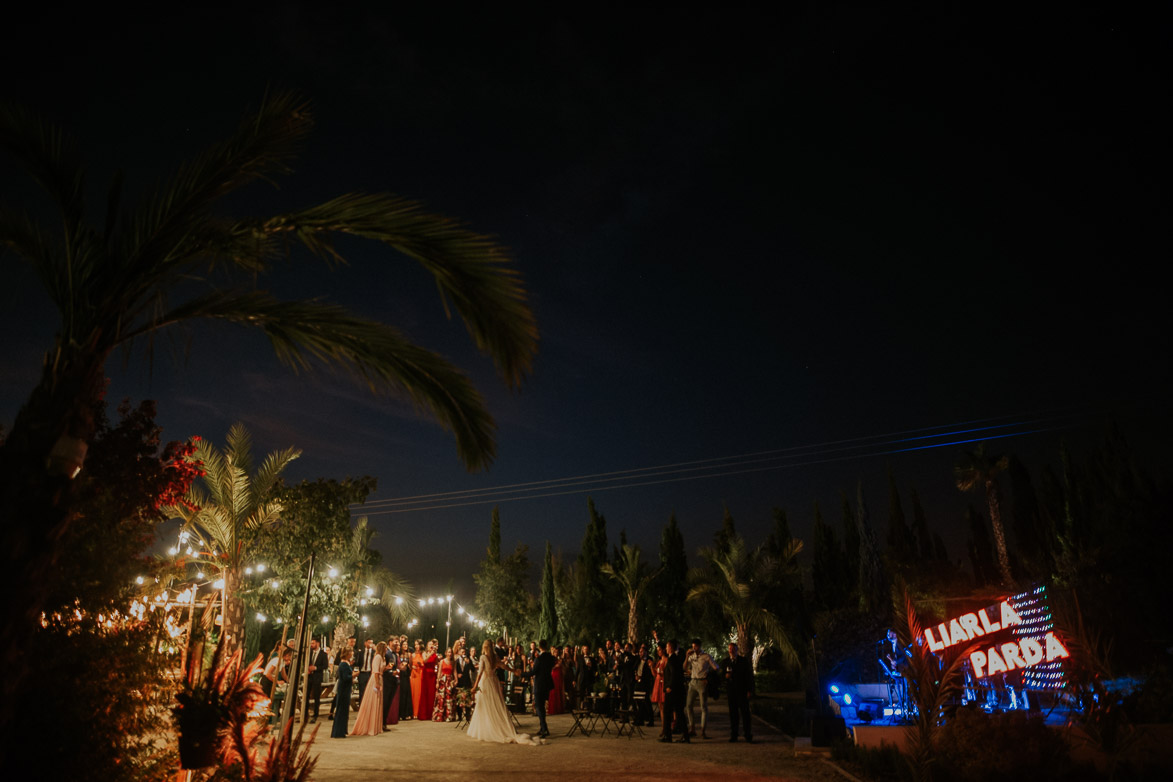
x=490, y=718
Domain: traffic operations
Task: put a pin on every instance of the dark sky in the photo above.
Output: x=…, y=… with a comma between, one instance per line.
x=740, y=234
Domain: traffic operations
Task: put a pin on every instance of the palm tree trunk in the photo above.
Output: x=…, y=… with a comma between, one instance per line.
x=232, y=627
x=633, y=619
x=999, y=533
x=38, y=460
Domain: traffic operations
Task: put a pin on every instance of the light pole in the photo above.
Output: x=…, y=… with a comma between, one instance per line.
x=448, y=624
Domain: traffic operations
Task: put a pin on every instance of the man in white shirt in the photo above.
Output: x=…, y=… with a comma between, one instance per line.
x=697, y=665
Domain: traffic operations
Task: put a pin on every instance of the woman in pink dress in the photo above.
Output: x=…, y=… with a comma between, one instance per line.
x=428, y=683
x=557, y=694
x=445, y=684
x=370, y=714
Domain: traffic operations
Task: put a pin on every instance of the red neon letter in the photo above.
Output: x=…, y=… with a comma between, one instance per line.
x=934, y=644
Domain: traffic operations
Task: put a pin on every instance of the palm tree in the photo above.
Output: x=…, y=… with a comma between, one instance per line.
x=364, y=581
x=633, y=576
x=742, y=580
x=225, y=515
x=175, y=259
x=977, y=468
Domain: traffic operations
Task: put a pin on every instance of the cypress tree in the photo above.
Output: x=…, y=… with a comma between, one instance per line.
x=850, y=545
x=920, y=529
x=548, y=620
x=671, y=586
x=898, y=534
x=726, y=534
x=593, y=611
x=981, y=552
x=873, y=585
x=827, y=568
x=780, y=536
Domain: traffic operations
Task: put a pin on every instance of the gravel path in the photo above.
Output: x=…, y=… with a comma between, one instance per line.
x=438, y=751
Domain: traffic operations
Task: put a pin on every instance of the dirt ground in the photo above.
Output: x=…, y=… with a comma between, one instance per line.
x=424, y=751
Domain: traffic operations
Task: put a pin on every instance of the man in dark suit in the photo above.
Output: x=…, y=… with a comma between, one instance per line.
x=543, y=684
x=502, y=655
x=625, y=667
x=739, y=687
x=674, y=694
x=318, y=662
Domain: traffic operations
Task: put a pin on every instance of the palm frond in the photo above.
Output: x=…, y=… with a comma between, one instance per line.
x=32, y=243
x=239, y=450
x=50, y=157
x=263, y=145
x=263, y=515
x=470, y=269
x=270, y=471
x=372, y=352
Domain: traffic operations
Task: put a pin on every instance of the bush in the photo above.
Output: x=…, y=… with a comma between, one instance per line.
x=884, y=763
x=978, y=746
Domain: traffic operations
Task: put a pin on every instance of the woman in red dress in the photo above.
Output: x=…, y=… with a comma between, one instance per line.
x=658, y=687
x=557, y=694
x=428, y=683
x=417, y=677
x=445, y=687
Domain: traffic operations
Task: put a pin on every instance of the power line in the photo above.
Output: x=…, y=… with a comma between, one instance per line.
x=711, y=463
x=710, y=468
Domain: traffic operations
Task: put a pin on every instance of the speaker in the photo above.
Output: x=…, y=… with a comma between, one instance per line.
x=825, y=730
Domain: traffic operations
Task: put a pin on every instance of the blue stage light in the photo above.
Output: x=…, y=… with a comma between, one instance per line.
x=847, y=699
x=834, y=689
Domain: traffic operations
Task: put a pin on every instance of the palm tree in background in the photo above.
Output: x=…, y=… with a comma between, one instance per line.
x=634, y=577
x=173, y=259
x=979, y=469
x=368, y=582
x=743, y=581
x=225, y=515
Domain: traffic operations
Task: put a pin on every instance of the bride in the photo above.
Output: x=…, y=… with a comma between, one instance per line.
x=490, y=719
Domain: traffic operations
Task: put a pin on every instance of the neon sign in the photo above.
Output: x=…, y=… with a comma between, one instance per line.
x=1016, y=634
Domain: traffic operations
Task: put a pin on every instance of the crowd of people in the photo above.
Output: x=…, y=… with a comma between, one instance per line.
x=651, y=681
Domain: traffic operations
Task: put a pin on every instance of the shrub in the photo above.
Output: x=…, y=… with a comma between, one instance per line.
x=978, y=746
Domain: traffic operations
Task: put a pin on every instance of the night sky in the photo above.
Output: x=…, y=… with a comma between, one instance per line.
x=834, y=230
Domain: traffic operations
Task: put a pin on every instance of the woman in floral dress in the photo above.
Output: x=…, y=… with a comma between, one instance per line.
x=445, y=685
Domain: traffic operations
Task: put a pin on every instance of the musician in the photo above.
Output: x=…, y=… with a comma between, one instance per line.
x=894, y=659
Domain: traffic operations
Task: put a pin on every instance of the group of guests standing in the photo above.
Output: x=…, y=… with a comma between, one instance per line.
x=658, y=679
x=684, y=680
x=395, y=684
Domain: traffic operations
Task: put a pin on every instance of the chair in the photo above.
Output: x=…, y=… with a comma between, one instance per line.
x=516, y=702
x=465, y=717
x=579, y=714
x=625, y=722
